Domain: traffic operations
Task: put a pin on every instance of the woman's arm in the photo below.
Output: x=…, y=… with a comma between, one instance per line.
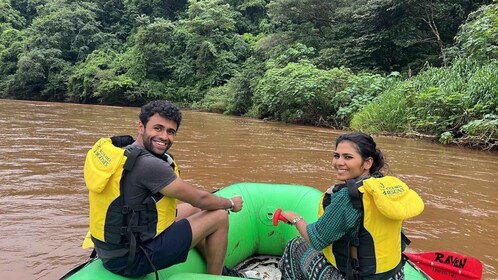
x=297, y=221
x=338, y=219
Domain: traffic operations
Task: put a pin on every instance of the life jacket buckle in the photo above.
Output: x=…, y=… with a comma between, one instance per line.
x=355, y=242
x=356, y=274
x=126, y=209
x=356, y=265
x=123, y=231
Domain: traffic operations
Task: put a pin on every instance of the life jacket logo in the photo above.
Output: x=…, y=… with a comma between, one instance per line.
x=391, y=190
x=454, y=261
x=101, y=155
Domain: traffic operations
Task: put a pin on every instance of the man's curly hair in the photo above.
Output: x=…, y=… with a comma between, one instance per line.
x=164, y=108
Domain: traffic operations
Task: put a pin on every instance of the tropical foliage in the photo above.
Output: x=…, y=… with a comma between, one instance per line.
x=407, y=67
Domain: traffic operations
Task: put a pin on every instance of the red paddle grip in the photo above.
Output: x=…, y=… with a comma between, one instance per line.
x=277, y=216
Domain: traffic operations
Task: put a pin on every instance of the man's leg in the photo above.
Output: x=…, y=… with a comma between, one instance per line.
x=211, y=226
x=185, y=210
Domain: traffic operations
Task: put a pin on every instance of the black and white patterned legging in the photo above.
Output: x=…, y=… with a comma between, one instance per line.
x=301, y=262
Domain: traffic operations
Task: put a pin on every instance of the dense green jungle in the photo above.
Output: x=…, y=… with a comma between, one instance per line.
x=412, y=68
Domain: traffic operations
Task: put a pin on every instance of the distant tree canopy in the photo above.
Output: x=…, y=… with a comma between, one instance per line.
x=307, y=61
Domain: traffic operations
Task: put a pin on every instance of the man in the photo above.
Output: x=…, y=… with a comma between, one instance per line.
x=141, y=192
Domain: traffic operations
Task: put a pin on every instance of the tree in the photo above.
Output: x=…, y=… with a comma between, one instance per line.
x=166, y=9
x=211, y=49
x=478, y=37
x=250, y=14
x=84, y=83
x=9, y=17
x=114, y=18
x=64, y=34
x=28, y=8
x=298, y=92
x=381, y=36
x=11, y=45
x=150, y=55
x=71, y=28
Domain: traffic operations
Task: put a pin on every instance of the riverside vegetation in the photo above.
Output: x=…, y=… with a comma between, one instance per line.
x=399, y=67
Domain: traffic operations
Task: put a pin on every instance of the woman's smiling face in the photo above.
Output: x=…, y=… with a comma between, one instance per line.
x=348, y=162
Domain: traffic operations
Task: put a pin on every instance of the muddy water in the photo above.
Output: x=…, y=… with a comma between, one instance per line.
x=43, y=200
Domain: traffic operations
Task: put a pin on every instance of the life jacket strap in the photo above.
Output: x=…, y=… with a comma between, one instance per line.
x=353, y=264
x=127, y=209
x=132, y=155
x=131, y=252
x=353, y=272
x=354, y=194
x=133, y=241
x=405, y=239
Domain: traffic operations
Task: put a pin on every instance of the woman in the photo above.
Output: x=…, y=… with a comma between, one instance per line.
x=358, y=233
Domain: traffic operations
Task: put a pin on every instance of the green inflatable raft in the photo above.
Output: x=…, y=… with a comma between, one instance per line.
x=251, y=232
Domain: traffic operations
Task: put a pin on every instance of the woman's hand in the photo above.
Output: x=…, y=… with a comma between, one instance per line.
x=290, y=216
x=298, y=221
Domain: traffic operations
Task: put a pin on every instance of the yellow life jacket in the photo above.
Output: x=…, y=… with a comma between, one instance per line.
x=385, y=202
x=106, y=163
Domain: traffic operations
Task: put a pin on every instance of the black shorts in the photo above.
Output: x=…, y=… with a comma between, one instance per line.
x=169, y=248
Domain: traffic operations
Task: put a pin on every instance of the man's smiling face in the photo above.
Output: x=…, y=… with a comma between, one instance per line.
x=158, y=134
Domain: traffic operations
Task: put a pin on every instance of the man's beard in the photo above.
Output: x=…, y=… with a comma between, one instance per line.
x=149, y=146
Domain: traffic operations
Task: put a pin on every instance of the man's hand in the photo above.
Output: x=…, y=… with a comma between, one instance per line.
x=237, y=203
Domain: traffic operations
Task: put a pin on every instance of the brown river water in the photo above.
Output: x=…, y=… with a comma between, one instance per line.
x=43, y=198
